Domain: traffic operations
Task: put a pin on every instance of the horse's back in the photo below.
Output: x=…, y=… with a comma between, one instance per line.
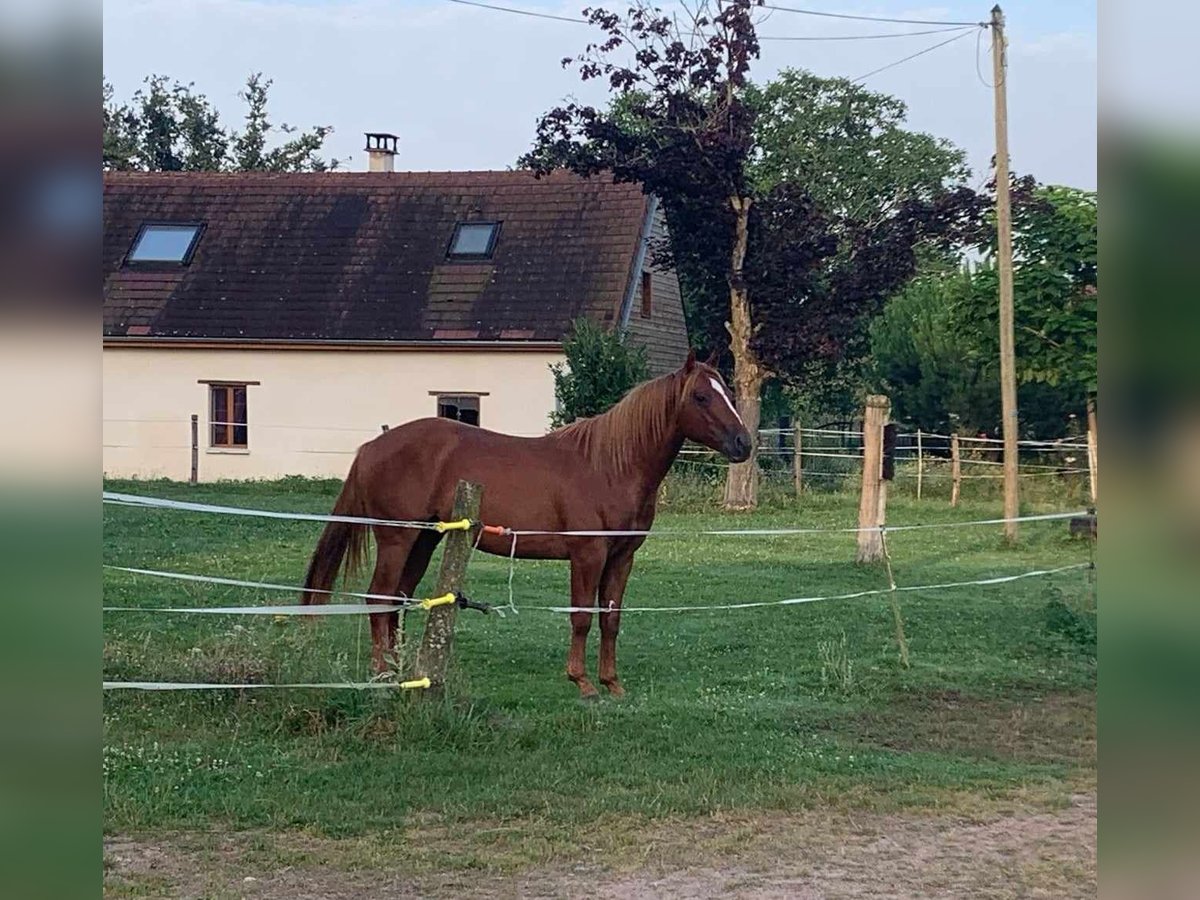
x=439, y=440
x=412, y=471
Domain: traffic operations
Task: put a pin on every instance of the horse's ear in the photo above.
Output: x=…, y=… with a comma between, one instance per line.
x=712, y=358
x=690, y=363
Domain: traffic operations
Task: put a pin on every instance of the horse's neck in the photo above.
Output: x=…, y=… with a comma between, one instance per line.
x=659, y=464
x=646, y=466
x=640, y=455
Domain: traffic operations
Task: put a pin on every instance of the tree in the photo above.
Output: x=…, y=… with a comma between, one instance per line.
x=169, y=127
x=936, y=345
x=807, y=196
x=886, y=202
x=600, y=369
x=680, y=127
x=299, y=154
x=847, y=147
x=1054, y=303
x=928, y=364
x=120, y=132
x=849, y=206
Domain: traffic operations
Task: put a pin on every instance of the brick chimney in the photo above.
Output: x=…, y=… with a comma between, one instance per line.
x=381, y=151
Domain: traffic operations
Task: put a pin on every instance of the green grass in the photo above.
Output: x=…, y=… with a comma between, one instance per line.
x=761, y=709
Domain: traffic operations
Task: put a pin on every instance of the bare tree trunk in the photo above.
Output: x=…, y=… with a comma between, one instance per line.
x=741, y=485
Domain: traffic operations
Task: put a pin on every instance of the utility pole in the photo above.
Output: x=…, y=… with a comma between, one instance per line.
x=1008, y=366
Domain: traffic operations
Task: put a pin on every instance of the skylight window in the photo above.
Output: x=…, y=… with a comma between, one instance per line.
x=474, y=240
x=164, y=243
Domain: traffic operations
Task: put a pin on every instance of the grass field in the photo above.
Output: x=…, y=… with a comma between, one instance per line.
x=729, y=713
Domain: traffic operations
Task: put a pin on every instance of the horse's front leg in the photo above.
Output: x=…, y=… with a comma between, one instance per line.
x=612, y=591
x=587, y=564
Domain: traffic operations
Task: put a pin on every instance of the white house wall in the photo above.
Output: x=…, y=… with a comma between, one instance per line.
x=309, y=410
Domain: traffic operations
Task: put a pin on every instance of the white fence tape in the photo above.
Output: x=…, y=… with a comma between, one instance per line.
x=159, y=503
x=368, y=609
x=776, y=532
x=326, y=609
x=262, y=585
x=202, y=686
x=162, y=503
x=1002, y=579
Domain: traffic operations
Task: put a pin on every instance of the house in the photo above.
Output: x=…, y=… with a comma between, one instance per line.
x=294, y=315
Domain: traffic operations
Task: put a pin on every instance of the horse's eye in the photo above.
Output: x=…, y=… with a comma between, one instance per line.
x=702, y=399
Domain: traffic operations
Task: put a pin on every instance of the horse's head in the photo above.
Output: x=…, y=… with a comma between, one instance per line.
x=707, y=414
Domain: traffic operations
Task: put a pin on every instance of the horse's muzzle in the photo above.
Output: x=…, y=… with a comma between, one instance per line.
x=737, y=448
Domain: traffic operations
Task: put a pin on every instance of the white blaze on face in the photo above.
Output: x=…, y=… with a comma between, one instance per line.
x=720, y=389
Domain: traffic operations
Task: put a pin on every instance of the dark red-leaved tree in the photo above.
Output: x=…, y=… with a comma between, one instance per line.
x=679, y=126
x=786, y=241
x=817, y=284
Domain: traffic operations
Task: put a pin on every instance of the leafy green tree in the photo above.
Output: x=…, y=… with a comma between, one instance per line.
x=936, y=345
x=1055, y=292
x=120, y=132
x=848, y=147
x=927, y=363
x=249, y=148
x=600, y=369
x=205, y=142
x=892, y=202
x=1054, y=288
x=170, y=127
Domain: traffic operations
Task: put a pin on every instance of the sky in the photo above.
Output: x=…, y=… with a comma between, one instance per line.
x=463, y=86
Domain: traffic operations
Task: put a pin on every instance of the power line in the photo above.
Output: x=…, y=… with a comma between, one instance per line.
x=891, y=65
x=830, y=15
x=763, y=37
x=857, y=37
x=978, y=71
x=519, y=12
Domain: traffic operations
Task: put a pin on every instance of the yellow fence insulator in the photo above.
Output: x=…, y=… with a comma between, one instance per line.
x=444, y=600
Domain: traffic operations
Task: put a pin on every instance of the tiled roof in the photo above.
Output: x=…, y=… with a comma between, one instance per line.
x=362, y=256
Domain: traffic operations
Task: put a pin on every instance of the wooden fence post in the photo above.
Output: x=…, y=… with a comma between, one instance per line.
x=195, y=476
x=438, y=639
x=871, y=506
x=955, y=470
x=797, y=460
x=1092, y=441
x=920, y=464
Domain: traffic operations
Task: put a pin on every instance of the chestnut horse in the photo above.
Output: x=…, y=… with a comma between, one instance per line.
x=597, y=474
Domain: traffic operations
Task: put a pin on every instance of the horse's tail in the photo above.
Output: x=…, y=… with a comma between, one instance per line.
x=340, y=541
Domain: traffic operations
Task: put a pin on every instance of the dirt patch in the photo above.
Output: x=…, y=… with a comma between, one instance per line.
x=1036, y=728
x=1019, y=851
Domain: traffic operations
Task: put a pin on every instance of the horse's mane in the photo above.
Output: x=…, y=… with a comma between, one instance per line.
x=629, y=431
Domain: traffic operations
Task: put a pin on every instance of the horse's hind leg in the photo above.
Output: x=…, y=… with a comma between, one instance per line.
x=393, y=547
x=414, y=570
x=587, y=562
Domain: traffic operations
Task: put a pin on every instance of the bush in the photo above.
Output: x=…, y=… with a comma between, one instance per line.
x=600, y=369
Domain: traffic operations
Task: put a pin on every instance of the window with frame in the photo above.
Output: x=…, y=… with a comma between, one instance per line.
x=473, y=240
x=647, y=294
x=228, y=424
x=160, y=243
x=460, y=407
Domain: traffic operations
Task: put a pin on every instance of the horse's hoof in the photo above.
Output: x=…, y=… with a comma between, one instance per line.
x=615, y=690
